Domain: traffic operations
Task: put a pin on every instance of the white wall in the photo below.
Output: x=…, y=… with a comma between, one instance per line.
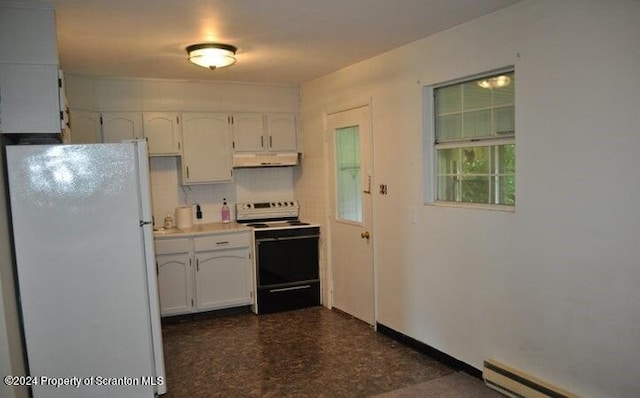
x=552, y=288
x=129, y=94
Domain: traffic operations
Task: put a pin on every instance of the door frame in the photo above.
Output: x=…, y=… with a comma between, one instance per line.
x=336, y=108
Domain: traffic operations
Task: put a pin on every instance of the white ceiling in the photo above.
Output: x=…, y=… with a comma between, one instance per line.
x=279, y=41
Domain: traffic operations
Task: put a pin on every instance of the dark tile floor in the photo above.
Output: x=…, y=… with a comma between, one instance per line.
x=314, y=352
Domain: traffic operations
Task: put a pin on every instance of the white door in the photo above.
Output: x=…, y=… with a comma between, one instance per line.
x=351, y=213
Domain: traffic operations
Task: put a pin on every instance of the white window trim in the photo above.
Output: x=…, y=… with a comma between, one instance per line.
x=430, y=181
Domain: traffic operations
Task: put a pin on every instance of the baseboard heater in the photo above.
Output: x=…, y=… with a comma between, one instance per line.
x=513, y=383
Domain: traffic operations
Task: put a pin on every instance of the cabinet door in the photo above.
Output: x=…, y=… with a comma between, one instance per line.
x=248, y=132
x=223, y=279
x=85, y=127
x=162, y=130
x=175, y=280
x=282, y=132
x=29, y=99
x=206, y=152
x=119, y=126
x=28, y=34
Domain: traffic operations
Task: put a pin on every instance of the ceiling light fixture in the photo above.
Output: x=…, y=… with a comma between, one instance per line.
x=212, y=55
x=495, y=82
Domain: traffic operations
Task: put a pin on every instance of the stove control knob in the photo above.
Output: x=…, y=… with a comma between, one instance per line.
x=291, y=204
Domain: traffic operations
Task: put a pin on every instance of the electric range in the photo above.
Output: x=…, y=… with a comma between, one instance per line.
x=287, y=255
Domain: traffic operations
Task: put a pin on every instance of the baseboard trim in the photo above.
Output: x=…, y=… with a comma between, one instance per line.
x=196, y=316
x=429, y=351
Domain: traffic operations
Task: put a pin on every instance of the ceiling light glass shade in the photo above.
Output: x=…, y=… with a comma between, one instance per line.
x=212, y=55
x=495, y=82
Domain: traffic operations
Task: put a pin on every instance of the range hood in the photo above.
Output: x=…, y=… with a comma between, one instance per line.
x=265, y=159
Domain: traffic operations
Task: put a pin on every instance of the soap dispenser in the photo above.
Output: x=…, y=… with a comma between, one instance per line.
x=225, y=212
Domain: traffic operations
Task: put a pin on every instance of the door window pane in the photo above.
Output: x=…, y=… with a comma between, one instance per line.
x=348, y=174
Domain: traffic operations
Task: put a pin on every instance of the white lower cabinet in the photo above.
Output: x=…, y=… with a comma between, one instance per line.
x=175, y=275
x=204, y=273
x=222, y=279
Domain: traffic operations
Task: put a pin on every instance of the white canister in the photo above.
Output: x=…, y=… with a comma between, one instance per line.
x=184, y=217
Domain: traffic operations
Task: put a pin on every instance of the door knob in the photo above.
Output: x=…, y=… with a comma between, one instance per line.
x=365, y=235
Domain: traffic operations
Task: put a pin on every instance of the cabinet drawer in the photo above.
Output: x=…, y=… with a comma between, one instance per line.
x=170, y=246
x=223, y=241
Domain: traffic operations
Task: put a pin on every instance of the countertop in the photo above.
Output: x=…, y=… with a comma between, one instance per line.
x=200, y=229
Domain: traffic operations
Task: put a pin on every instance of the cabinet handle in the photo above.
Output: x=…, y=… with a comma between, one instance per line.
x=187, y=172
x=262, y=142
x=197, y=264
x=270, y=141
x=222, y=243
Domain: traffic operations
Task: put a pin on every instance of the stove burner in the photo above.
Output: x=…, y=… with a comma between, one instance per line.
x=297, y=222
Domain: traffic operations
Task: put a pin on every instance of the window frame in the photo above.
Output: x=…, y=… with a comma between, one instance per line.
x=431, y=145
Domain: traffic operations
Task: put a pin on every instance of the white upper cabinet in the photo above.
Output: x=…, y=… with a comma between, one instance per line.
x=29, y=99
x=119, y=126
x=259, y=132
x=163, y=132
x=206, y=151
x=248, y=132
x=28, y=34
x=85, y=127
x=282, y=132
x=29, y=84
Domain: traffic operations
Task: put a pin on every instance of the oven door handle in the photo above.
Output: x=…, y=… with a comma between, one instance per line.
x=286, y=289
x=258, y=240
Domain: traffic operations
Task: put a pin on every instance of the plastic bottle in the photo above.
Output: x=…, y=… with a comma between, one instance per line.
x=226, y=213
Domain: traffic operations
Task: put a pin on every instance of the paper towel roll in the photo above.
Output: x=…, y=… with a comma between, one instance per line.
x=184, y=217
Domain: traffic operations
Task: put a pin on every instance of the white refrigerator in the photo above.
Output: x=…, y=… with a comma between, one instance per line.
x=83, y=239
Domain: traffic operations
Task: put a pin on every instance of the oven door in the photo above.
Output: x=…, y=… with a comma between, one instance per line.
x=288, y=260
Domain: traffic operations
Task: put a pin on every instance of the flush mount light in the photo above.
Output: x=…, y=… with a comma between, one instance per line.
x=495, y=82
x=212, y=55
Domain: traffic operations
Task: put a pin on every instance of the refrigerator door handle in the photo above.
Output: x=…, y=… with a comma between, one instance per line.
x=143, y=223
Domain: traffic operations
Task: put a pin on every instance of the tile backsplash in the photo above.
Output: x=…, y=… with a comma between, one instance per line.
x=254, y=184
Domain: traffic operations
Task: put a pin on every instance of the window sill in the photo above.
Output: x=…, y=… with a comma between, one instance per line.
x=475, y=206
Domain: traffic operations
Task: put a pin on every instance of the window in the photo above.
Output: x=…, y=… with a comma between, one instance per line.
x=349, y=203
x=475, y=141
